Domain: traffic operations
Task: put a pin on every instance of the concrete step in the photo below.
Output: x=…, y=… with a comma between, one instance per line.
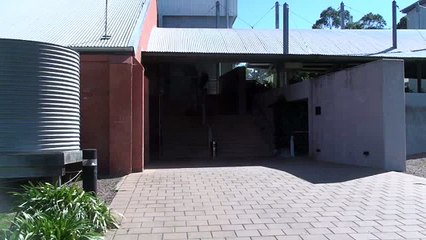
x=237, y=136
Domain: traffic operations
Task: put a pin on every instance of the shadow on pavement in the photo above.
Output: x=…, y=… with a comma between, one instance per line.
x=304, y=168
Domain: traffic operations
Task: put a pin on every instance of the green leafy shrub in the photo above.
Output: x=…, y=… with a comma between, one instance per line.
x=60, y=226
x=46, y=212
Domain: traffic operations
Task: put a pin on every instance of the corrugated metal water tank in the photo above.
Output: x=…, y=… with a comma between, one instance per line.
x=39, y=97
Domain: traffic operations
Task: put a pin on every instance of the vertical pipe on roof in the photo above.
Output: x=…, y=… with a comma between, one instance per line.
x=106, y=18
x=342, y=15
x=217, y=26
x=277, y=15
x=277, y=26
x=286, y=28
x=394, y=26
x=217, y=13
x=106, y=36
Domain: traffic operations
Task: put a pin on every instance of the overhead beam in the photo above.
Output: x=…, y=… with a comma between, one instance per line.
x=258, y=58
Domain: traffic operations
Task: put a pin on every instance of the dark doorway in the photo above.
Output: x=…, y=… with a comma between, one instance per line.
x=291, y=121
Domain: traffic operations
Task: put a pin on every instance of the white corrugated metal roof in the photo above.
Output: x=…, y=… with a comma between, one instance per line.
x=411, y=43
x=74, y=23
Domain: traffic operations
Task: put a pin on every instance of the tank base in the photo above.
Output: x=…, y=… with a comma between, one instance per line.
x=31, y=165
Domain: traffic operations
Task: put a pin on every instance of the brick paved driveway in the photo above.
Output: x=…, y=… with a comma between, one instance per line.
x=284, y=201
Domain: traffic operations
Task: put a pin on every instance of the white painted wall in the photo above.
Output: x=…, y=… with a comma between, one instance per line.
x=416, y=122
x=362, y=110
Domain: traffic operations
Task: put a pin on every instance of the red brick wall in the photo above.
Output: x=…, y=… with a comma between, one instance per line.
x=145, y=112
x=95, y=107
x=120, y=105
x=137, y=109
x=112, y=112
x=115, y=106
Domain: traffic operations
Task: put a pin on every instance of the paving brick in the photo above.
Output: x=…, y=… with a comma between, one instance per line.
x=266, y=203
x=174, y=223
x=271, y=232
x=174, y=236
x=263, y=238
x=341, y=230
x=277, y=226
x=186, y=229
x=197, y=223
x=232, y=227
x=241, y=221
x=411, y=228
x=209, y=228
x=255, y=226
x=412, y=235
x=388, y=222
x=139, y=230
x=314, y=237
x=295, y=231
x=318, y=231
x=388, y=236
x=163, y=230
x=200, y=235
x=300, y=225
x=363, y=236
x=131, y=225
x=288, y=238
x=262, y=220
x=339, y=237
x=127, y=237
x=247, y=233
x=223, y=234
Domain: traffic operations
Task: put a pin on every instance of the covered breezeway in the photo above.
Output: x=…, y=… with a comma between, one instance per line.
x=349, y=88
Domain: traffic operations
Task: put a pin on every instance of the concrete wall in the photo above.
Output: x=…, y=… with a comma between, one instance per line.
x=113, y=112
x=416, y=19
x=193, y=22
x=416, y=122
x=194, y=13
x=362, y=120
x=195, y=7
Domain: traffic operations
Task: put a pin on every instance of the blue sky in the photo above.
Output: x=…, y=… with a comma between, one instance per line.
x=303, y=13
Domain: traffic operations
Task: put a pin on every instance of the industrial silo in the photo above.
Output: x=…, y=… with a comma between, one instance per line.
x=39, y=108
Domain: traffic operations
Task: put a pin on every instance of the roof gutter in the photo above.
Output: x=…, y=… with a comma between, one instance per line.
x=105, y=50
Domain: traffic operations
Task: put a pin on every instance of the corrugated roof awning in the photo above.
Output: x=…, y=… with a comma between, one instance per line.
x=268, y=44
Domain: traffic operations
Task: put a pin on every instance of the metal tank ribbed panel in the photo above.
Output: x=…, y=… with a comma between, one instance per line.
x=39, y=97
